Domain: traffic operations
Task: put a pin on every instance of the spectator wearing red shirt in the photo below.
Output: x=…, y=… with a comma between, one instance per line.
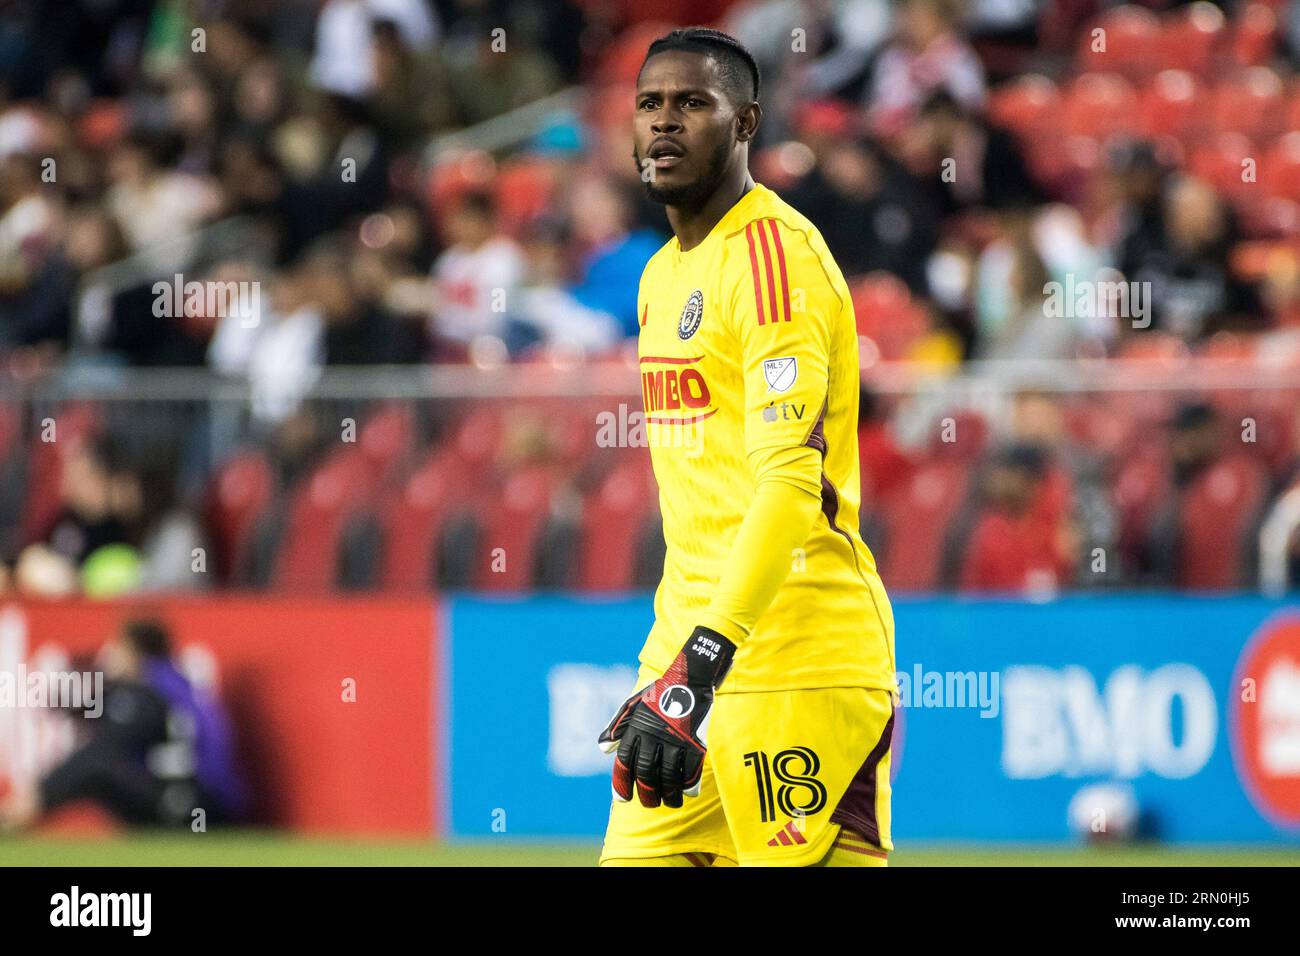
x=1016, y=544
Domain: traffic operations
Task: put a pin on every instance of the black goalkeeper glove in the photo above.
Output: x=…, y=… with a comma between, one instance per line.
x=659, y=730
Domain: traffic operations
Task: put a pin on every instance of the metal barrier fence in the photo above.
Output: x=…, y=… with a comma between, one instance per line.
x=1109, y=428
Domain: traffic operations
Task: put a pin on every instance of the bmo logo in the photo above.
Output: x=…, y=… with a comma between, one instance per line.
x=1059, y=722
x=1265, y=713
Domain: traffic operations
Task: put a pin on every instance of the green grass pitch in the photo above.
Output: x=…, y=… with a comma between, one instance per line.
x=253, y=848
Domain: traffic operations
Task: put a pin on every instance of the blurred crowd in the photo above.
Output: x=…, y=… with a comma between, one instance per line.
x=127, y=126
x=342, y=156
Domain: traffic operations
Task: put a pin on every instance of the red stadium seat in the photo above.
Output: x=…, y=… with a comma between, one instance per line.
x=1171, y=105
x=511, y=531
x=886, y=313
x=1192, y=38
x=1254, y=35
x=611, y=520
x=1140, y=486
x=1218, y=512
x=1221, y=162
x=307, y=559
x=385, y=440
x=1026, y=105
x=1100, y=105
x=72, y=422
x=916, y=523
x=1280, y=169
x=238, y=496
x=1132, y=41
x=413, y=520
x=524, y=189
x=1249, y=103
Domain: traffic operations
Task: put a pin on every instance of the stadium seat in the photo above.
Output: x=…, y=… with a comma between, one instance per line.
x=72, y=422
x=524, y=189
x=1139, y=488
x=1099, y=105
x=505, y=559
x=1220, y=162
x=1192, y=38
x=1172, y=105
x=916, y=520
x=886, y=313
x=1220, y=510
x=1027, y=105
x=239, y=494
x=1132, y=41
x=625, y=500
x=1250, y=102
x=318, y=510
x=1254, y=35
x=1279, y=171
x=386, y=439
x=412, y=521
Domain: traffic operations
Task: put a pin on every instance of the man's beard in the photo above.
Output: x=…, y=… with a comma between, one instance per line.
x=695, y=194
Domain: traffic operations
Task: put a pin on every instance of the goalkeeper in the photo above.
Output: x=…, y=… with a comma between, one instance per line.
x=760, y=728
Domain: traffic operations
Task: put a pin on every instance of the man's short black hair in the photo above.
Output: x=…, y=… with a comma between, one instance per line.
x=739, y=70
x=149, y=637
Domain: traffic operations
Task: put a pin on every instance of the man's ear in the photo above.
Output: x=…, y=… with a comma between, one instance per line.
x=747, y=120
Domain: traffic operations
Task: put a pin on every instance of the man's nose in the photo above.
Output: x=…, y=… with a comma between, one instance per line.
x=666, y=121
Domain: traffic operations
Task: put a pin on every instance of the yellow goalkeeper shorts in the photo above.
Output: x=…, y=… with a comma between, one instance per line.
x=784, y=772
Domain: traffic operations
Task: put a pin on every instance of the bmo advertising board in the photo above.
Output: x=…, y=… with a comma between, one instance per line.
x=1177, y=718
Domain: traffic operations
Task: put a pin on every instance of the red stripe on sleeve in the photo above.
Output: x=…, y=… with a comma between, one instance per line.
x=771, y=282
x=753, y=265
x=780, y=258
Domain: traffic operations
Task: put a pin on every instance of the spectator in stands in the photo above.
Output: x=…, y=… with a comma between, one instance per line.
x=36, y=279
x=885, y=467
x=872, y=213
x=345, y=56
x=928, y=54
x=1194, y=291
x=156, y=204
x=91, y=515
x=1013, y=318
x=988, y=167
x=160, y=752
x=1015, y=547
x=495, y=63
x=828, y=56
x=476, y=276
x=1134, y=181
x=1195, y=443
x=546, y=313
x=614, y=254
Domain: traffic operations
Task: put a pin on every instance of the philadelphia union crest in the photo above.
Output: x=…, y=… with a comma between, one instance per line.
x=691, y=315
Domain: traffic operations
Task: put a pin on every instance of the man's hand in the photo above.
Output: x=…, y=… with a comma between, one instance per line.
x=659, y=730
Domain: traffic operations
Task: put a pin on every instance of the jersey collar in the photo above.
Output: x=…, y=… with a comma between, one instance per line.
x=733, y=219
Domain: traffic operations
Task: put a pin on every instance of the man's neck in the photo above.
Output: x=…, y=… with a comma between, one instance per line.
x=692, y=226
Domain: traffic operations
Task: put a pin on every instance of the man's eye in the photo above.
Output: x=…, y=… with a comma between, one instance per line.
x=692, y=101
x=647, y=104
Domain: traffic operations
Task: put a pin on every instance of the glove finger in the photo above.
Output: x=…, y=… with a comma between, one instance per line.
x=609, y=737
x=692, y=773
x=648, y=770
x=624, y=761
x=673, y=775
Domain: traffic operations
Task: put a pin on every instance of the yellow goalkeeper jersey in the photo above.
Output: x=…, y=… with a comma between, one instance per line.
x=748, y=342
